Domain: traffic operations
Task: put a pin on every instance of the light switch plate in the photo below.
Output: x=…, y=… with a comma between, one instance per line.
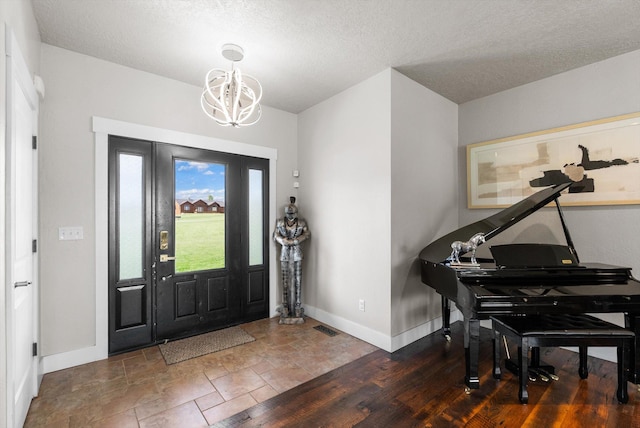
x=72, y=233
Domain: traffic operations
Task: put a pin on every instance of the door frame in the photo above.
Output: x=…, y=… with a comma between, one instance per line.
x=18, y=73
x=102, y=128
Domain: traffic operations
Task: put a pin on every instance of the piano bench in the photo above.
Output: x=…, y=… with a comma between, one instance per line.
x=551, y=330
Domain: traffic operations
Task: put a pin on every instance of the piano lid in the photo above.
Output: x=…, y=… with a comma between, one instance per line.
x=440, y=249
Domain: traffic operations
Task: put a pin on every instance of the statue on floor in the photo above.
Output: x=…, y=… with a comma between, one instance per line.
x=290, y=232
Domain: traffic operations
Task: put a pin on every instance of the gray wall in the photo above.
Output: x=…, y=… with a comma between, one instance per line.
x=378, y=182
x=343, y=157
x=424, y=184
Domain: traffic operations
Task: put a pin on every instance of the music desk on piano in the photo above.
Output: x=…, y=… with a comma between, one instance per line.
x=485, y=290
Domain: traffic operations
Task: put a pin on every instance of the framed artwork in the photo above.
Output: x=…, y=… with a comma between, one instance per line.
x=600, y=159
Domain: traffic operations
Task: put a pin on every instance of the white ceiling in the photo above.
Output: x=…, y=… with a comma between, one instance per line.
x=304, y=51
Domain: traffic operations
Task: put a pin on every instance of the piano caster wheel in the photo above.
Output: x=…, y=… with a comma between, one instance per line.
x=467, y=390
x=448, y=339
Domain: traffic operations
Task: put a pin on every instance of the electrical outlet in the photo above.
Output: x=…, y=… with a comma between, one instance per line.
x=361, y=305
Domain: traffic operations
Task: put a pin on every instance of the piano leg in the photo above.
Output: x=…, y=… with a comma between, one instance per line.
x=632, y=358
x=523, y=374
x=446, y=319
x=535, y=357
x=621, y=392
x=497, y=353
x=471, y=352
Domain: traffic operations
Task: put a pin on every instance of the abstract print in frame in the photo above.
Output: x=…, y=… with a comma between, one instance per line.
x=600, y=158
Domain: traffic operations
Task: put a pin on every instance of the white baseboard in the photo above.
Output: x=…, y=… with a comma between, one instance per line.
x=64, y=360
x=416, y=333
x=381, y=340
x=354, y=329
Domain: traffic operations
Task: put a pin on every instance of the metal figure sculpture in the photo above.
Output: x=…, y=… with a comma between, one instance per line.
x=459, y=247
x=290, y=232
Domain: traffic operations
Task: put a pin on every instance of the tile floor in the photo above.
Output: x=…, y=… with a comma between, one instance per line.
x=138, y=389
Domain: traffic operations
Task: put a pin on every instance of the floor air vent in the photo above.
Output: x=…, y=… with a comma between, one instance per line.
x=326, y=330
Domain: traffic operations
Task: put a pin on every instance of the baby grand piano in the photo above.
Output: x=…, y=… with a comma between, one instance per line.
x=488, y=289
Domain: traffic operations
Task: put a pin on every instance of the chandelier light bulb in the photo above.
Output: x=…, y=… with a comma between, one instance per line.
x=229, y=97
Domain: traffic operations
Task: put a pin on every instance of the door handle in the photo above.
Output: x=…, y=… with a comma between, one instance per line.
x=21, y=284
x=165, y=258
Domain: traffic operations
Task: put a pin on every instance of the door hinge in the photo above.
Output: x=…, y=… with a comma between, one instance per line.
x=34, y=246
x=34, y=142
x=35, y=349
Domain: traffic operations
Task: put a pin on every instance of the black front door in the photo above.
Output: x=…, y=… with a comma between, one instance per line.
x=203, y=239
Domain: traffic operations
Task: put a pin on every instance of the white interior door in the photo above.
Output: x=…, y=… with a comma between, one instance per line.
x=21, y=218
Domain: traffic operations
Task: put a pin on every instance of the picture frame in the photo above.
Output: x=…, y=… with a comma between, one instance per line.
x=600, y=158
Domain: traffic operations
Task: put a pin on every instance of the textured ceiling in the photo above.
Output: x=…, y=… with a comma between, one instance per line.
x=304, y=51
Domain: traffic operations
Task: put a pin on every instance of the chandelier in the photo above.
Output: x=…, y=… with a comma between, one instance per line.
x=229, y=97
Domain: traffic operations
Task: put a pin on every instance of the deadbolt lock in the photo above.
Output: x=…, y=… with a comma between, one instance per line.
x=164, y=240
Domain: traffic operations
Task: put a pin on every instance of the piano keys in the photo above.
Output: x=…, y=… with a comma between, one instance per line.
x=486, y=289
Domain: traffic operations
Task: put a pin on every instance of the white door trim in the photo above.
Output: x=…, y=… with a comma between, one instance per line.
x=17, y=76
x=102, y=128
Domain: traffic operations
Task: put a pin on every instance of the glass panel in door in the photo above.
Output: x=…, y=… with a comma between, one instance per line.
x=256, y=217
x=199, y=215
x=130, y=216
x=256, y=267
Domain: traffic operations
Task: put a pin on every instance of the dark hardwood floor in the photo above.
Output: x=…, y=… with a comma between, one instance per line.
x=422, y=385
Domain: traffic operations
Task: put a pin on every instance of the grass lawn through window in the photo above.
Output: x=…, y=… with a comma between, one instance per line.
x=199, y=242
